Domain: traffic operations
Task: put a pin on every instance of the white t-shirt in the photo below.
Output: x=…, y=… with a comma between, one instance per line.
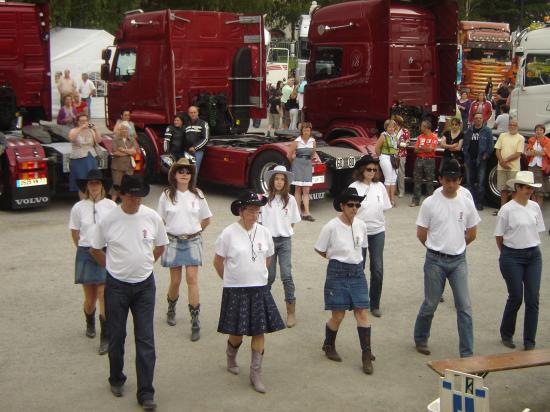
x=462, y=191
x=82, y=218
x=238, y=247
x=342, y=242
x=130, y=241
x=373, y=206
x=447, y=220
x=185, y=216
x=86, y=88
x=520, y=225
x=279, y=219
x=501, y=122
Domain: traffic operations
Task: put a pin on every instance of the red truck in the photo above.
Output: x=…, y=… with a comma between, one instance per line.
x=371, y=58
x=166, y=60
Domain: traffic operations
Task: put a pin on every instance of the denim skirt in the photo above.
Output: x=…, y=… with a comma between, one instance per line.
x=182, y=252
x=249, y=311
x=79, y=169
x=346, y=287
x=86, y=269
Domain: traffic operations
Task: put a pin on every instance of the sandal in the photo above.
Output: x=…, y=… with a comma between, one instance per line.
x=309, y=218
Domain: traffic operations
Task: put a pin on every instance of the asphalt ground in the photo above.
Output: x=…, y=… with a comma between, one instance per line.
x=47, y=362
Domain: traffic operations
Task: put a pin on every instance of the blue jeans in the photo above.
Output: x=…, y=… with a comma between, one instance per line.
x=199, y=154
x=120, y=297
x=376, y=267
x=88, y=101
x=476, y=179
x=437, y=269
x=283, y=249
x=521, y=269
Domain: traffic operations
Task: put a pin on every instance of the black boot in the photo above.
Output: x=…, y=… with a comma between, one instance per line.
x=367, y=357
x=90, y=324
x=195, y=323
x=171, y=314
x=103, y=336
x=329, y=345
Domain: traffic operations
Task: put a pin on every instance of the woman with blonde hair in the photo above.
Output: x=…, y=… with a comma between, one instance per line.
x=186, y=214
x=85, y=215
x=386, y=148
x=123, y=149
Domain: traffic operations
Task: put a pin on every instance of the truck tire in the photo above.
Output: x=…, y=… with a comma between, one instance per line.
x=265, y=161
x=5, y=190
x=492, y=194
x=149, y=156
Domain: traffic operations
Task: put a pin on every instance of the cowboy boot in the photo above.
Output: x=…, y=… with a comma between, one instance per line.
x=103, y=336
x=195, y=323
x=367, y=356
x=329, y=345
x=171, y=314
x=90, y=324
x=256, y=371
x=290, y=314
x=231, y=353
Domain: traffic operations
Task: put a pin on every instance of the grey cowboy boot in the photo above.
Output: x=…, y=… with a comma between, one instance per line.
x=195, y=323
x=90, y=324
x=231, y=353
x=171, y=314
x=256, y=372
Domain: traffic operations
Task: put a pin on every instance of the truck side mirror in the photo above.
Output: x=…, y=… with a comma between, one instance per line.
x=106, y=54
x=105, y=70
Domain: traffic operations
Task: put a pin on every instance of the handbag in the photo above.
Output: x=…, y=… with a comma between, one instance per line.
x=132, y=160
x=394, y=159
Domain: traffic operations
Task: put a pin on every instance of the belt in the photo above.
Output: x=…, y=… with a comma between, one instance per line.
x=446, y=255
x=183, y=237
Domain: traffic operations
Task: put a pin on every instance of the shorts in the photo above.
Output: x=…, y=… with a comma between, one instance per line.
x=274, y=120
x=182, y=252
x=503, y=176
x=86, y=269
x=346, y=287
x=540, y=178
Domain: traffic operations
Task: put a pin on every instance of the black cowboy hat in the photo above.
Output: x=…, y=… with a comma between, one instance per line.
x=349, y=193
x=451, y=168
x=247, y=198
x=133, y=185
x=94, y=174
x=365, y=160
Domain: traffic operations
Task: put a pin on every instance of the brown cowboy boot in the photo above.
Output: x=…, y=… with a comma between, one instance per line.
x=90, y=324
x=367, y=356
x=329, y=345
x=290, y=314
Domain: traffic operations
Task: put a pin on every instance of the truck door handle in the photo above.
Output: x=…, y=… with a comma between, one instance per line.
x=339, y=101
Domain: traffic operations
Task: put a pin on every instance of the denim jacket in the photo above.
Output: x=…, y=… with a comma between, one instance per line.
x=486, y=143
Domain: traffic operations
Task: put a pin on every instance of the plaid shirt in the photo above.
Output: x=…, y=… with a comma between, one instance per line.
x=404, y=137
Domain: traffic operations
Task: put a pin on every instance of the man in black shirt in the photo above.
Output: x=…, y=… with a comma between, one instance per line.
x=478, y=147
x=197, y=133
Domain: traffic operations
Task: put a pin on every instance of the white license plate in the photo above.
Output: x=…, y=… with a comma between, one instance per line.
x=32, y=182
x=317, y=196
x=318, y=179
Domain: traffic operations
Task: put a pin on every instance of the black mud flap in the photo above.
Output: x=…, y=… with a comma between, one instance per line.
x=28, y=197
x=242, y=71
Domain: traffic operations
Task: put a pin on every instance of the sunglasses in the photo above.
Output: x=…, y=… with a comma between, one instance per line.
x=371, y=169
x=353, y=204
x=184, y=171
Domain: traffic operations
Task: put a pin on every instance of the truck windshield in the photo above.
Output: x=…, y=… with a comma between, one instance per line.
x=486, y=55
x=303, y=48
x=125, y=66
x=537, y=70
x=328, y=63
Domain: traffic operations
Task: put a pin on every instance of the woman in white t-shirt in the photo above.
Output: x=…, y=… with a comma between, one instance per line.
x=186, y=214
x=242, y=255
x=341, y=241
x=517, y=235
x=373, y=206
x=85, y=215
x=279, y=215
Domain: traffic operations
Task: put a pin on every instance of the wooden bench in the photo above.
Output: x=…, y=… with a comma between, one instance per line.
x=482, y=365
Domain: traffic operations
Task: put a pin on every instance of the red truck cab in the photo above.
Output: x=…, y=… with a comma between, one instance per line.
x=368, y=55
x=166, y=60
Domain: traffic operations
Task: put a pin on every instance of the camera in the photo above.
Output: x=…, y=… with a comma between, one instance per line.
x=91, y=125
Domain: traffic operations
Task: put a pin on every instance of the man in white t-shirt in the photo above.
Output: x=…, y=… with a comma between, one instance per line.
x=86, y=90
x=446, y=223
x=135, y=237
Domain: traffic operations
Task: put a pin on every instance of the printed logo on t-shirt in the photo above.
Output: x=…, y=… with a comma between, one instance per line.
x=259, y=246
x=475, y=136
x=357, y=242
x=144, y=233
x=461, y=217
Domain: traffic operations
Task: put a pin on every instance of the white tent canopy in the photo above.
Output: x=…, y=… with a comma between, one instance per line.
x=78, y=50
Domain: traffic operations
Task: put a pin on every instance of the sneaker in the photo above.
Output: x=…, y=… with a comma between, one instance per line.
x=414, y=204
x=509, y=343
x=376, y=313
x=423, y=349
x=479, y=207
x=148, y=405
x=309, y=218
x=117, y=390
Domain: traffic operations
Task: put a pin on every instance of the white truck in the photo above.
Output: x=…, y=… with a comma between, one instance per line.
x=302, y=46
x=530, y=99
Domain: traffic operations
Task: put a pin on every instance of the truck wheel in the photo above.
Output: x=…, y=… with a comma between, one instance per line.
x=149, y=154
x=264, y=162
x=5, y=190
x=492, y=194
